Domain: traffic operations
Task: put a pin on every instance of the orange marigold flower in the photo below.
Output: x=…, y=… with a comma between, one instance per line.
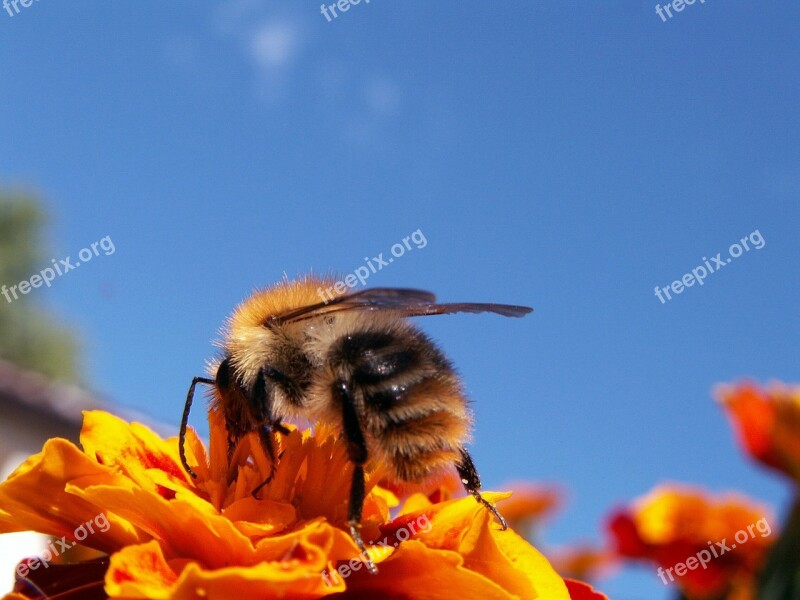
x=711, y=547
x=172, y=537
x=767, y=422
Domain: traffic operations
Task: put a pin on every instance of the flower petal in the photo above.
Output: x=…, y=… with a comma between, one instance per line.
x=35, y=497
x=131, y=447
x=469, y=529
x=186, y=526
x=418, y=572
x=675, y=523
x=767, y=423
x=140, y=572
x=583, y=591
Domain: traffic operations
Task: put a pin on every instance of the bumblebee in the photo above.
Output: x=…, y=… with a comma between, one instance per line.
x=357, y=362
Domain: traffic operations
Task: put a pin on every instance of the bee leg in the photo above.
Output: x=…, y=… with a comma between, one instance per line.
x=357, y=452
x=472, y=483
x=265, y=436
x=185, y=422
x=262, y=404
x=263, y=399
x=357, y=494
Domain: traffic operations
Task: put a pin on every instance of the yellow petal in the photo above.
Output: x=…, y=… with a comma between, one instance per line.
x=255, y=518
x=417, y=572
x=133, y=448
x=35, y=497
x=187, y=526
x=468, y=528
x=261, y=582
x=140, y=572
x=292, y=567
x=415, y=503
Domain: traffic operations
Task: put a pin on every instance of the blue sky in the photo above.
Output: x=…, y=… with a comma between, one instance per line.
x=570, y=156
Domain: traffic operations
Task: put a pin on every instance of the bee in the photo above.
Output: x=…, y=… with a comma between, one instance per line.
x=354, y=361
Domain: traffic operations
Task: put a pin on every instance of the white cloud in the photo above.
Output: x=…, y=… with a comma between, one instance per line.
x=273, y=45
x=268, y=35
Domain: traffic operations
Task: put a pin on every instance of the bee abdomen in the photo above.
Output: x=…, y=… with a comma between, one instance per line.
x=422, y=466
x=408, y=399
x=423, y=433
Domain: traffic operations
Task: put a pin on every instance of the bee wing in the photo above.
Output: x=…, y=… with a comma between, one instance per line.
x=505, y=310
x=371, y=299
x=406, y=302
